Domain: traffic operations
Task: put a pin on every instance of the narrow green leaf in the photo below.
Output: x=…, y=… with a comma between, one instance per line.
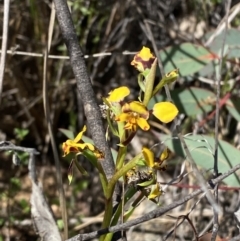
x=80, y=168
x=233, y=106
x=69, y=134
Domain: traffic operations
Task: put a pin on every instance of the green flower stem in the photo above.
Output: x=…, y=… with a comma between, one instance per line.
x=129, y=194
x=113, y=130
x=149, y=83
x=158, y=87
x=107, y=216
x=121, y=173
x=108, y=213
x=136, y=202
x=121, y=131
x=121, y=157
x=108, y=237
x=167, y=79
x=92, y=158
x=103, y=178
x=117, y=111
x=110, y=188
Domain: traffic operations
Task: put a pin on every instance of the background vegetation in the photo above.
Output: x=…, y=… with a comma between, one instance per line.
x=116, y=27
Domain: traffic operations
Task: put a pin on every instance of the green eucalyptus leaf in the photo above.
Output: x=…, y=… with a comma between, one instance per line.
x=230, y=40
x=188, y=57
x=201, y=147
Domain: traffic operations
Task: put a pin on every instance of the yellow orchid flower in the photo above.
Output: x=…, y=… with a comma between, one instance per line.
x=78, y=145
x=153, y=162
x=143, y=60
x=155, y=191
x=165, y=111
x=134, y=114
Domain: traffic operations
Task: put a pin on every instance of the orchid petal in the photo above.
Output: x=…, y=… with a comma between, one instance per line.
x=139, y=108
x=80, y=134
x=143, y=60
x=155, y=192
x=148, y=156
x=143, y=124
x=118, y=94
x=165, y=111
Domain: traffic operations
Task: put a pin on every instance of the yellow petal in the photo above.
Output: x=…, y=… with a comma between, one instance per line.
x=145, y=53
x=139, y=108
x=155, y=192
x=74, y=147
x=83, y=146
x=66, y=148
x=148, y=156
x=98, y=154
x=70, y=177
x=123, y=117
x=143, y=124
x=80, y=134
x=164, y=155
x=165, y=111
x=143, y=60
x=118, y=94
x=130, y=126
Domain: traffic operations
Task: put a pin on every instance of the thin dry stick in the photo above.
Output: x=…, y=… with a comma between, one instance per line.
x=62, y=198
x=8, y=146
x=153, y=214
x=86, y=56
x=198, y=175
x=218, y=89
x=234, y=11
x=55, y=151
x=51, y=26
x=4, y=42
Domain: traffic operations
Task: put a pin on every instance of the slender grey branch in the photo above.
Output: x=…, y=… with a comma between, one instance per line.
x=91, y=107
x=42, y=216
x=218, y=89
x=197, y=173
x=153, y=214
